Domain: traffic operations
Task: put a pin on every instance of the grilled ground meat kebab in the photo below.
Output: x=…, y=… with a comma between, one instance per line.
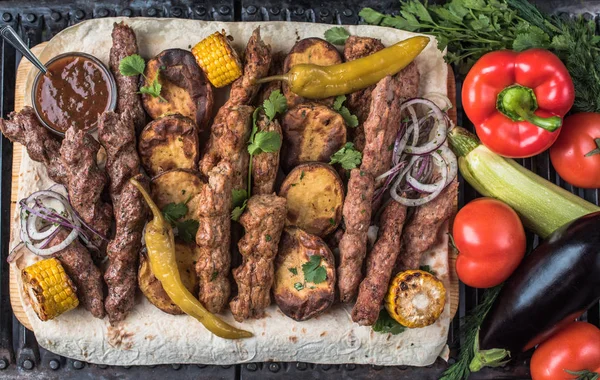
x=265, y=165
x=117, y=135
x=125, y=44
x=213, y=238
x=380, y=265
x=23, y=127
x=79, y=266
x=263, y=222
x=232, y=125
x=359, y=102
x=85, y=182
x=421, y=231
x=275, y=69
x=380, y=131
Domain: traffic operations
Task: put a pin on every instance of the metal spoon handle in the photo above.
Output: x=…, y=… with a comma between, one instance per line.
x=9, y=34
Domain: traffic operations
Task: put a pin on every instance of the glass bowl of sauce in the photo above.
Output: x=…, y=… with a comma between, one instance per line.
x=75, y=91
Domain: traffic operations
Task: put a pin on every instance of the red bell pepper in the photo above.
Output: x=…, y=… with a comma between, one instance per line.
x=517, y=100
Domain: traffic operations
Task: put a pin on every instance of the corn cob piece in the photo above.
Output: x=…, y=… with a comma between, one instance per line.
x=218, y=59
x=49, y=289
x=415, y=298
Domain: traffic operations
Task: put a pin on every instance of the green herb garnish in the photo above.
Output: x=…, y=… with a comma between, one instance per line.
x=174, y=211
x=336, y=35
x=135, y=65
x=299, y=286
x=187, y=230
x=338, y=105
x=313, y=270
x=293, y=271
x=347, y=156
x=386, y=324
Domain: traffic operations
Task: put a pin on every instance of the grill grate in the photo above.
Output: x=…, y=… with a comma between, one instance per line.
x=38, y=21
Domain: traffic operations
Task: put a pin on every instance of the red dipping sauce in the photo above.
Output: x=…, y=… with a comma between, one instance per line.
x=75, y=91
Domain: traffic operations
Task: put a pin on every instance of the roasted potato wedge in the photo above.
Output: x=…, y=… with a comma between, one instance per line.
x=309, y=50
x=177, y=186
x=170, y=142
x=185, y=88
x=311, y=132
x=296, y=297
x=187, y=256
x=315, y=197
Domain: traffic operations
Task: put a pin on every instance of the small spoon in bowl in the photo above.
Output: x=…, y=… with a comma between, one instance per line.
x=10, y=36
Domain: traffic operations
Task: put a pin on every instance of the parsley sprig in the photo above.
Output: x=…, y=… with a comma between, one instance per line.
x=338, y=105
x=337, y=35
x=386, y=324
x=186, y=229
x=135, y=65
x=347, y=156
x=471, y=28
x=259, y=142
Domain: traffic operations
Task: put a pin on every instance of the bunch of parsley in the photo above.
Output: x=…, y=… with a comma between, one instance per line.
x=471, y=28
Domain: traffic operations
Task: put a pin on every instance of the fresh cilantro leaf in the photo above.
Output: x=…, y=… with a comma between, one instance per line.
x=132, y=65
x=338, y=105
x=239, y=197
x=276, y=104
x=351, y=120
x=427, y=268
x=371, y=16
x=174, y=211
x=339, y=102
x=299, y=286
x=264, y=141
x=386, y=324
x=337, y=35
x=293, y=271
x=533, y=37
x=268, y=237
x=214, y=275
x=238, y=211
x=301, y=175
x=313, y=270
x=347, y=156
x=187, y=230
x=153, y=90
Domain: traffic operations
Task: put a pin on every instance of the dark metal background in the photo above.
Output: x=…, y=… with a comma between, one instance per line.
x=38, y=21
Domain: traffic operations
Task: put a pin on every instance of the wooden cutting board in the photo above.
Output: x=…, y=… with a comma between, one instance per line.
x=22, y=72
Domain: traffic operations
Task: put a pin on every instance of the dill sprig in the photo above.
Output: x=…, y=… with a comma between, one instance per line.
x=468, y=333
x=471, y=28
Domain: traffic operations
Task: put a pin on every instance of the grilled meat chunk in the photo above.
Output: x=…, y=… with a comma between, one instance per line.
x=228, y=141
x=359, y=102
x=275, y=69
x=265, y=165
x=263, y=222
x=257, y=62
x=79, y=266
x=23, y=127
x=85, y=181
x=125, y=44
x=213, y=238
x=380, y=265
x=117, y=135
x=422, y=230
x=353, y=245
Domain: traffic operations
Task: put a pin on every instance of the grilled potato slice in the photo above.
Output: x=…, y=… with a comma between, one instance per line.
x=315, y=197
x=185, y=88
x=309, y=50
x=174, y=186
x=170, y=142
x=311, y=132
x=297, y=298
x=186, y=256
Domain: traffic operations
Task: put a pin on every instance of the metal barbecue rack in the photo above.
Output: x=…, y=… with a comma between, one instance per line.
x=38, y=21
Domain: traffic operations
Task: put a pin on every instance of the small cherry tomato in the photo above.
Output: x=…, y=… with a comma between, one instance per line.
x=491, y=242
x=576, y=153
x=575, y=348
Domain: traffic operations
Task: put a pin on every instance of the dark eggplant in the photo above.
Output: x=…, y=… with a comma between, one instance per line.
x=555, y=284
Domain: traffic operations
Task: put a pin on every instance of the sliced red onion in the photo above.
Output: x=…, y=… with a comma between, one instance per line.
x=440, y=132
x=450, y=158
x=15, y=253
x=439, y=95
x=36, y=247
x=421, y=201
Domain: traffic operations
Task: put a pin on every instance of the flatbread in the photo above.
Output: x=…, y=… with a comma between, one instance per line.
x=148, y=336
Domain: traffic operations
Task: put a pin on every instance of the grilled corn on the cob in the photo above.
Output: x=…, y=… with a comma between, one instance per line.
x=415, y=298
x=49, y=289
x=218, y=59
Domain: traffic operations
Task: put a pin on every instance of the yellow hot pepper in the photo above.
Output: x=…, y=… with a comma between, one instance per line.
x=160, y=243
x=319, y=82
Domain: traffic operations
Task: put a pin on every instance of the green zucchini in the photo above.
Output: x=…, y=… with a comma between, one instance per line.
x=542, y=206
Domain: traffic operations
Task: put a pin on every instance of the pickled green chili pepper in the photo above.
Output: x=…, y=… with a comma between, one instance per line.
x=319, y=82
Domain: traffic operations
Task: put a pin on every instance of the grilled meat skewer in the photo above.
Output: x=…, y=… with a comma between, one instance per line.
x=117, y=135
x=263, y=222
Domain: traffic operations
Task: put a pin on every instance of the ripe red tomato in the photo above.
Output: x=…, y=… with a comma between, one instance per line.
x=568, y=154
x=491, y=242
x=574, y=348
